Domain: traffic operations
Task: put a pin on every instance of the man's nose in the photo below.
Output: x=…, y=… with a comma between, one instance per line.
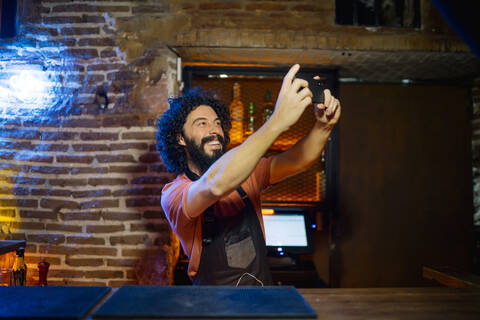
x=214, y=128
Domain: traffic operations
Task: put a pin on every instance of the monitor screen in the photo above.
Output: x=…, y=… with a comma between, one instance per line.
x=285, y=230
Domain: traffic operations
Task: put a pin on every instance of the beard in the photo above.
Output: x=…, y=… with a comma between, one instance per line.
x=197, y=153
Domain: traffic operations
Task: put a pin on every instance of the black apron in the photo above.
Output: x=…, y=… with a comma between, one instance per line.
x=233, y=248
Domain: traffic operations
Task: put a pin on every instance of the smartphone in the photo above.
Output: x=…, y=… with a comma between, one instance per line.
x=316, y=86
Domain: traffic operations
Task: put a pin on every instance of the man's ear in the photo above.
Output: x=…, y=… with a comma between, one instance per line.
x=181, y=140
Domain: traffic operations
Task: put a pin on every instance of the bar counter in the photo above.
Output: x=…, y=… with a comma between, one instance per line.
x=361, y=303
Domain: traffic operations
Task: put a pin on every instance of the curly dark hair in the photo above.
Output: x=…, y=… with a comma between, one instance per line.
x=170, y=125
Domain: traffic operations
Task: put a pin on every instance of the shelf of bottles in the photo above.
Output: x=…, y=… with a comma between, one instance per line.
x=251, y=101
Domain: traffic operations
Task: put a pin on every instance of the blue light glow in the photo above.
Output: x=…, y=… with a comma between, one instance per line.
x=37, y=81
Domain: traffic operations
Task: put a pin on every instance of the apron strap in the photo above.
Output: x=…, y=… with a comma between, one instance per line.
x=209, y=224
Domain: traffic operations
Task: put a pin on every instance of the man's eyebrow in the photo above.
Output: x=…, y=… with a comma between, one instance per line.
x=198, y=119
x=204, y=118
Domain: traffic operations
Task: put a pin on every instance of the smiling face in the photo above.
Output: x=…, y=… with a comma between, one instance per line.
x=203, y=138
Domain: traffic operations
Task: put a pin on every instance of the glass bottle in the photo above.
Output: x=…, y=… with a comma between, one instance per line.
x=237, y=115
x=267, y=106
x=251, y=119
x=42, y=272
x=19, y=269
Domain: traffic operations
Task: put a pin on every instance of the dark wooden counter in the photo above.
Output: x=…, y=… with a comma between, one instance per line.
x=395, y=303
x=345, y=304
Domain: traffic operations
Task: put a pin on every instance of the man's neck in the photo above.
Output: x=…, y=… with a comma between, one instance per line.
x=193, y=168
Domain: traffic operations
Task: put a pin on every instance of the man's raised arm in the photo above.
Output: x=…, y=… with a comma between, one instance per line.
x=230, y=170
x=306, y=151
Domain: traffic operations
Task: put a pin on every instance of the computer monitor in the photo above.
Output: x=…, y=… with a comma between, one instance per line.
x=288, y=231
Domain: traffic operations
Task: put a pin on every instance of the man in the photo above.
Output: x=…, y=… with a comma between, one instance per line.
x=213, y=205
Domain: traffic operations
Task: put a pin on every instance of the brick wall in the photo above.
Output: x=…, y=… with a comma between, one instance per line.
x=82, y=185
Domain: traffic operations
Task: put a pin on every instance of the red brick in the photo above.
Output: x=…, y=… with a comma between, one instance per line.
x=62, y=20
x=99, y=204
x=126, y=146
x=90, y=147
x=107, y=181
x=98, y=19
x=7, y=155
x=13, y=236
x=104, y=66
x=124, y=121
x=266, y=7
x=151, y=180
x=50, y=170
x=144, y=202
x=33, y=181
x=108, y=53
x=128, y=169
x=97, y=251
x=122, y=75
x=29, y=259
x=27, y=225
x=16, y=145
x=14, y=191
x=89, y=8
x=105, y=228
x=219, y=6
x=149, y=9
x=68, y=182
x=85, y=240
x=18, y=203
x=38, y=214
x=50, y=147
x=51, y=192
x=129, y=239
x=104, y=274
x=57, y=205
x=7, y=212
x=98, y=136
x=133, y=252
x=5, y=166
x=20, y=134
x=121, y=216
x=152, y=214
x=63, y=227
x=100, y=170
x=97, y=42
x=139, y=136
x=74, y=31
x=115, y=158
x=80, y=123
x=33, y=158
x=138, y=191
x=46, y=238
x=69, y=216
x=84, y=262
x=150, y=158
x=63, y=273
x=91, y=193
x=47, y=136
x=75, y=159
x=122, y=262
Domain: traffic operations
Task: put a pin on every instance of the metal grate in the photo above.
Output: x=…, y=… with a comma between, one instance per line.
x=308, y=186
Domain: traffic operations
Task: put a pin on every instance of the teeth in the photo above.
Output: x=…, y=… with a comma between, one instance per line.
x=214, y=143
